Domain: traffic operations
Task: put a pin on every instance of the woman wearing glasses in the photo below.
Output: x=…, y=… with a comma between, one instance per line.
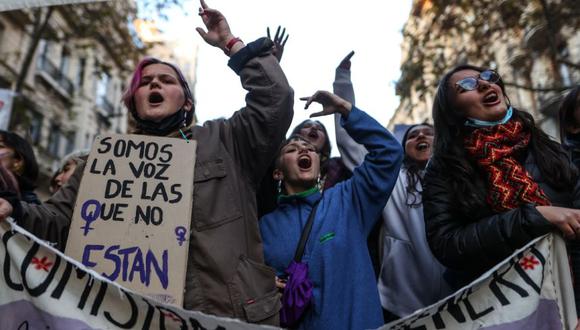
x=496, y=181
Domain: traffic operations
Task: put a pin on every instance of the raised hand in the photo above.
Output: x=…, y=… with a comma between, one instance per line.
x=279, y=42
x=218, y=30
x=331, y=103
x=345, y=63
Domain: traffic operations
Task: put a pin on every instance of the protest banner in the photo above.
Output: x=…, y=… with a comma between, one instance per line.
x=133, y=211
x=6, y=5
x=41, y=288
x=532, y=289
x=6, y=97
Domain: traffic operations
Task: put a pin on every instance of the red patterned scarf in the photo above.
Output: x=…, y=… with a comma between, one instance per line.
x=494, y=149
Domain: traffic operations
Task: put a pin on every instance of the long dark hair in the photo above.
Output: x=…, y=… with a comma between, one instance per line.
x=566, y=113
x=449, y=153
x=23, y=149
x=414, y=171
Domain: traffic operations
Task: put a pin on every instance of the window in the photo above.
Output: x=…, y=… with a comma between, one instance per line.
x=2, y=29
x=81, y=72
x=102, y=89
x=43, y=48
x=64, y=62
x=88, y=141
x=103, y=85
x=70, y=143
x=563, y=68
x=54, y=140
x=35, y=127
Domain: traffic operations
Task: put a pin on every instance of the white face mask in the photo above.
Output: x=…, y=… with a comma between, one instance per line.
x=483, y=123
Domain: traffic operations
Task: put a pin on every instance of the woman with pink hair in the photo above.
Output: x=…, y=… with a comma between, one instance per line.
x=226, y=275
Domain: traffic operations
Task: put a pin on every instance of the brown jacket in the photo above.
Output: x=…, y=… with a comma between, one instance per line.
x=226, y=275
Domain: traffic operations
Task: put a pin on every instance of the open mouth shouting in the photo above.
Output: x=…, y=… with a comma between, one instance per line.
x=155, y=98
x=313, y=134
x=304, y=162
x=491, y=98
x=423, y=146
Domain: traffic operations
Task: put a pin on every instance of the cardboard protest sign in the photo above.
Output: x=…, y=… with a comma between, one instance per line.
x=41, y=288
x=532, y=289
x=133, y=211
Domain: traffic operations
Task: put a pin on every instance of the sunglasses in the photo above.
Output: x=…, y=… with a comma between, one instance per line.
x=471, y=83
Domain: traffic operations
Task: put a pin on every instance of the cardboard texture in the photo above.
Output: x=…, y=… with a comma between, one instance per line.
x=133, y=211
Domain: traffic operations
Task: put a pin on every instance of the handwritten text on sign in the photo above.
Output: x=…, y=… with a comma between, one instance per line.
x=133, y=211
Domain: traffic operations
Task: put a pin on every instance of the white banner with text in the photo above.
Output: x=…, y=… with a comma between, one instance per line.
x=41, y=288
x=532, y=289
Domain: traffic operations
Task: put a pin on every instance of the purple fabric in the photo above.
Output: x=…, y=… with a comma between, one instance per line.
x=23, y=314
x=297, y=294
x=545, y=317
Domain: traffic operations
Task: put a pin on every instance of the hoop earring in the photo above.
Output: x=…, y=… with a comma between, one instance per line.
x=18, y=169
x=184, y=124
x=279, y=188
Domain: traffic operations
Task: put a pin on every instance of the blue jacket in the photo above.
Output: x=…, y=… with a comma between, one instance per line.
x=345, y=292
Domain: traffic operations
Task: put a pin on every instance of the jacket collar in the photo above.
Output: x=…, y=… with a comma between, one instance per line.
x=309, y=196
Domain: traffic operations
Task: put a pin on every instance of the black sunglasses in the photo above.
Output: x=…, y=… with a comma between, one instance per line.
x=471, y=83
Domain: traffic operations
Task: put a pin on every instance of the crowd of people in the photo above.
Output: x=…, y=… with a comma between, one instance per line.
x=311, y=241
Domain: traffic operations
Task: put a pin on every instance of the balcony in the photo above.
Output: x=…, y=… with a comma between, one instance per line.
x=57, y=77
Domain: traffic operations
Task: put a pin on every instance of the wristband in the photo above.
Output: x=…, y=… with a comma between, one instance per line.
x=256, y=48
x=231, y=44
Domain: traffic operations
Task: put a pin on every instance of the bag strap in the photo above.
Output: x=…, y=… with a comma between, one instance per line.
x=305, y=234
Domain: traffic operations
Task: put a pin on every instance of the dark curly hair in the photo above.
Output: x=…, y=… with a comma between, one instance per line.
x=449, y=154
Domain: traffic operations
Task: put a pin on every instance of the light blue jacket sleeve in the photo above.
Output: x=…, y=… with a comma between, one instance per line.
x=373, y=181
x=352, y=153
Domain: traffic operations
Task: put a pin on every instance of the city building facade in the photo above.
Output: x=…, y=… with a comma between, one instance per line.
x=74, y=79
